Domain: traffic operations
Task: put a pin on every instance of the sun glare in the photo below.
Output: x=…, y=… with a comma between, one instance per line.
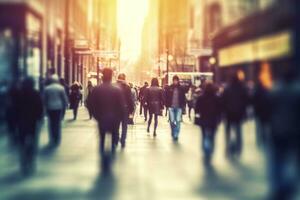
x=131, y=16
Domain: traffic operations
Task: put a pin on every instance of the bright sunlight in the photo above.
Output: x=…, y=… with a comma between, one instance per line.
x=131, y=16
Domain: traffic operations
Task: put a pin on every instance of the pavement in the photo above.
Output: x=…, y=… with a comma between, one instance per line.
x=147, y=169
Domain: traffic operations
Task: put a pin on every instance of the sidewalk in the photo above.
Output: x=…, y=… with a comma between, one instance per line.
x=148, y=168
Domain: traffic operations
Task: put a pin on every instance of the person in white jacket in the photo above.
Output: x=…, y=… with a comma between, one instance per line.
x=56, y=101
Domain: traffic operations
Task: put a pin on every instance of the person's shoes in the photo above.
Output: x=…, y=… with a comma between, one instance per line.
x=148, y=130
x=175, y=139
x=154, y=134
x=123, y=144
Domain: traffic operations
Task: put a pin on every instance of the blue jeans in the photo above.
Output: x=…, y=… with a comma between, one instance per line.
x=175, y=115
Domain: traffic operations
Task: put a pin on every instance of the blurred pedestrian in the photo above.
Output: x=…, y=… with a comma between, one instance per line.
x=30, y=112
x=175, y=101
x=75, y=98
x=208, y=114
x=12, y=115
x=155, y=102
x=89, y=90
x=234, y=103
x=165, y=89
x=134, y=97
x=128, y=104
x=108, y=109
x=56, y=101
x=67, y=90
x=284, y=104
x=190, y=100
x=143, y=106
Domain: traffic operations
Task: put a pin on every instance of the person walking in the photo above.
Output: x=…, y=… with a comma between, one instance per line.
x=284, y=153
x=134, y=99
x=208, y=115
x=234, y=103
x=108, y=109
x=190, y=100
x=29, y=112
x=155, y=103
x=75, y=98
x=143, y=106
x=89, y=90
x=128, y=104
x=67, y=90
x=56, y=101
x=175, y=101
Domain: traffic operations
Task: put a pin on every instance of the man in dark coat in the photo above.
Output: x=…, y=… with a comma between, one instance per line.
x=234, y=102
x=143, y=106
x=176, y=102
x=107, y=108
x=208, y=114
x=30, y=111
x=128, y=104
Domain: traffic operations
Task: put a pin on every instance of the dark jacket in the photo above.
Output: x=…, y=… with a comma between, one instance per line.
x=142, y=94
x=127, y=96
x=260, y=103
x=169, y=96
x=88, y=96
x=235, y=101
x=29, y=110
x=75, y=97
x=154, y=99
x=208, y=107
x=284, y=104
x=107, y=105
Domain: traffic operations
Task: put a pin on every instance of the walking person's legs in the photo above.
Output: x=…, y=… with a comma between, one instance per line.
x=56, y=126
x=239, y=139
x=145, y=113
x=155, y=124
x=124, y=130
x=178, y=117
x=227, y=137
x=149, y=122
x=172, y=121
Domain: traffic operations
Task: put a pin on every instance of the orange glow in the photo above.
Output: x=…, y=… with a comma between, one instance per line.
x=131, y=17
x=241, y=75
x=265, y=75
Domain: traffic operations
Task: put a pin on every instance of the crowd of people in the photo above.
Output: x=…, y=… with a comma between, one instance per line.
x=113, y=106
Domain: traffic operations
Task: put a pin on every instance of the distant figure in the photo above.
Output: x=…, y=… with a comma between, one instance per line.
x=284, y=104
x=108, y=109
x=128, y=104
x=67, y=90
x=56, y=101
x=190, y=100
x=75, y=98
x=134, y=97
x=165, y=89
x=30, y=112
x=175, y=101
x=89, y=90
x=143, y=106
x=234, y=103
x=208, y=114
x=155, y=102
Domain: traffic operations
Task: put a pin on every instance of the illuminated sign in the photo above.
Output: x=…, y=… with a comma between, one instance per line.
x=265, y=48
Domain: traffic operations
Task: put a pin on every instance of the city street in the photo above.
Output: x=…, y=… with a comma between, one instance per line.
x=148, y=168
